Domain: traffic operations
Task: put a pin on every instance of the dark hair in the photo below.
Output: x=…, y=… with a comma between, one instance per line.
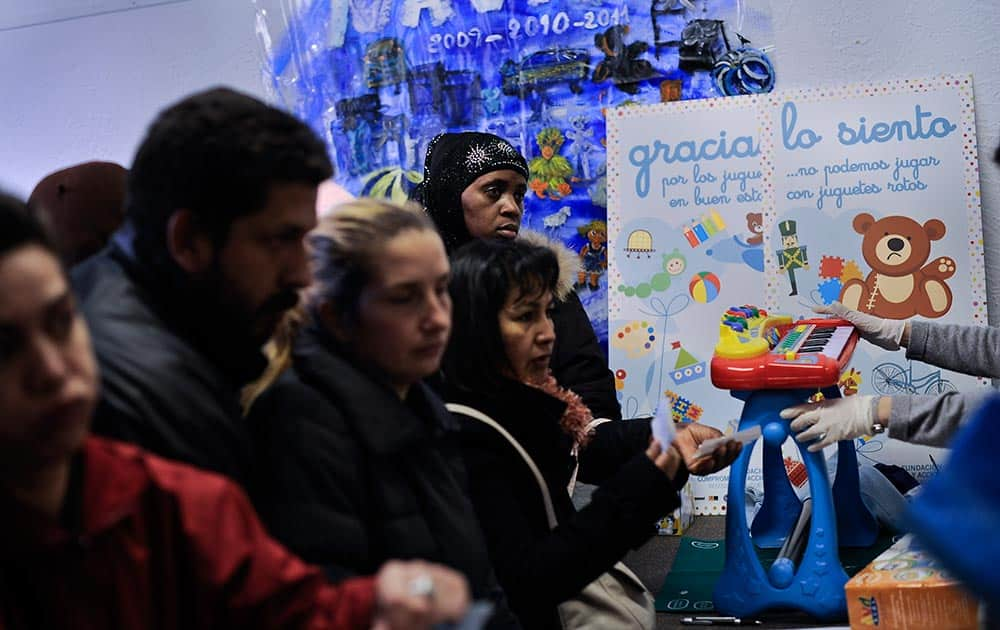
x=483, y=273
x=19, y=228
x=343, y=249
x=216, y=153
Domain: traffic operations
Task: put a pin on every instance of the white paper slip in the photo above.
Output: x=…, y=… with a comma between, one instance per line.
x=709, y=446
x=663, y=426
x=475, y=618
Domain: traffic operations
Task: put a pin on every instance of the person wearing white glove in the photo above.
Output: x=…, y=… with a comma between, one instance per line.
x=920, y=418
x=834, y=419
x=884, y=333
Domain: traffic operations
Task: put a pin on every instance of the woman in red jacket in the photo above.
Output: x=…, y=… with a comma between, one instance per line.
x=97, y=534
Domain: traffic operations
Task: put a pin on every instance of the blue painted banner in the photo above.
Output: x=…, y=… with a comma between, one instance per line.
x=379, y=78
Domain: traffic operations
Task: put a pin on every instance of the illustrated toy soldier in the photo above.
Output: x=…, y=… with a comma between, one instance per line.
x=791, y=256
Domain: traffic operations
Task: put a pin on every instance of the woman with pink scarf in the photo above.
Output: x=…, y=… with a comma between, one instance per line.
x=497, y=362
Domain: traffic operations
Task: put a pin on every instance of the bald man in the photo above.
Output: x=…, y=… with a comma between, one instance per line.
x=80, y=206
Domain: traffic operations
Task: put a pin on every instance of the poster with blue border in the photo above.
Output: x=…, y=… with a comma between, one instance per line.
x=378, y=79
x=867, y=194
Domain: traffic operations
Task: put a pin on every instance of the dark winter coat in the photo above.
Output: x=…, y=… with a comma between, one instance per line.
x=578, y=362
x=144, y=543
x=352, y=476
x=164, y=386
x=539, y=568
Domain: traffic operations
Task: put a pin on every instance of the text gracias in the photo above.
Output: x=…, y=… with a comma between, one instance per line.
x=924, y=125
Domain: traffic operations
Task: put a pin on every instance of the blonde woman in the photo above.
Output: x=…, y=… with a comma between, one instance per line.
x=358, y=460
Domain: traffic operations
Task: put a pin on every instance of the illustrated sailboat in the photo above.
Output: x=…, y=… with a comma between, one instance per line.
x=687, y=368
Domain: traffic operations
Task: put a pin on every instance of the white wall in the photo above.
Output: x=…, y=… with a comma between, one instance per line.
x=86, y=88
x=824, y=42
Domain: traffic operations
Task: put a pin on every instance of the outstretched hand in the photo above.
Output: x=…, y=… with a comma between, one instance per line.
x=689, y=438
x=884, y=333
x=829, y=421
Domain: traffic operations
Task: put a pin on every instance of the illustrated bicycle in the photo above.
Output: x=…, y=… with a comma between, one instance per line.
x=892, y=378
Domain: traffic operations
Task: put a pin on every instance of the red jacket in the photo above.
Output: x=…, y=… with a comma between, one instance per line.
x=160, y=545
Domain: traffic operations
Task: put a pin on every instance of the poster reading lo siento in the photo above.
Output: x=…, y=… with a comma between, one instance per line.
x=866, y=193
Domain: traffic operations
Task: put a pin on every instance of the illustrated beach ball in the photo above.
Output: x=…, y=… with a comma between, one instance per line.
x=704, y=287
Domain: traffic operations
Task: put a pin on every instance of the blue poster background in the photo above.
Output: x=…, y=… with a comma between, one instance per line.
x=379, y=78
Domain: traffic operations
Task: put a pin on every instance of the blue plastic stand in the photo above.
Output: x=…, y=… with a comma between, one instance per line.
x=816, y=585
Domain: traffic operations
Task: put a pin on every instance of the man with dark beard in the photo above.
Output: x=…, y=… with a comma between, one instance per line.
x=220, y=196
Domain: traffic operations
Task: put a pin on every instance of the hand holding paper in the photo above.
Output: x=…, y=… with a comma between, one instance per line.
x=692, y=435
x=663, y=426
x=710, y=446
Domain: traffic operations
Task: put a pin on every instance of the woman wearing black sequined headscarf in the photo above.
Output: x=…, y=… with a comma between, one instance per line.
x=474, y=187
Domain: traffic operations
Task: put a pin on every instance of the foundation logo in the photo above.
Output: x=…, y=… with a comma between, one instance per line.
x=869, y=616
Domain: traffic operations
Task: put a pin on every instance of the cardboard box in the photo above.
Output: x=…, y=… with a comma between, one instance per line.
x=905, y=589
x=678, y=521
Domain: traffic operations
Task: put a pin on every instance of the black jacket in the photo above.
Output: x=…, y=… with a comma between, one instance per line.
x=539, y=568
x=164, y=385
x=578, y=362
x=351, y=476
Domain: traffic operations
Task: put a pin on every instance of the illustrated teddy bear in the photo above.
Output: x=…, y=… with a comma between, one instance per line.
x=900, y=285
x=755, y=223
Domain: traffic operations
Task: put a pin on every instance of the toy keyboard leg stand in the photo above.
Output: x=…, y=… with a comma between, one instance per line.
x=856, y=526
x=777, y=514
x=816, y=585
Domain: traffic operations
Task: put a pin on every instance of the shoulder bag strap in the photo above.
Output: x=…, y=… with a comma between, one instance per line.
x=591, y=426
x=474, y=413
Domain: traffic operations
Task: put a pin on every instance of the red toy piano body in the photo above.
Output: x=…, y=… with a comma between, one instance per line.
x=761, y=351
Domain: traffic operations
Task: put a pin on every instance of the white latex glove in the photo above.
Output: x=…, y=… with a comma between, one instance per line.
x=832, y=420
x=884, y=333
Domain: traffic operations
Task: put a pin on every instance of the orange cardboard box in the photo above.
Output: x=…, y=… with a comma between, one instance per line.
x=905, y=589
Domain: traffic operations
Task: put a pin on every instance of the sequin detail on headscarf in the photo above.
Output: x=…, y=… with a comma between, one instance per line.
x=452, y=163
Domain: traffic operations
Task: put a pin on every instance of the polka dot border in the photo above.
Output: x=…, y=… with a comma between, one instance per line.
x=764, y=107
